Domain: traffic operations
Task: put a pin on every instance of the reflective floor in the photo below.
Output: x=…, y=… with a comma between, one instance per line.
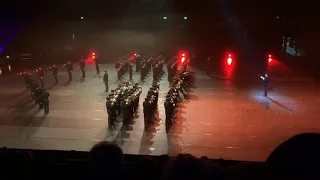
x=224, y=117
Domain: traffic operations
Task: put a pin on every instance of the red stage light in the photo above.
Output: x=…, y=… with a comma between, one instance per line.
x=93, y=57
x=183, y=59
x=270, y=58
x=183, y=55
x=93, y=54
x=229, y=60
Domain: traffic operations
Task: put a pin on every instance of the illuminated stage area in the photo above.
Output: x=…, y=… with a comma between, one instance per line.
x=221, y=119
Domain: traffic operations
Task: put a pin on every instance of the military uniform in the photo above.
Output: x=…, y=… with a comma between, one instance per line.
x=138, y=62
x=106, y=80
x=124, y=109
x=265, y=84
x=26, y=78
x=55, y=73
x=38, y=94
x=111, y=110
x=130, y=71
x=118, y=69
x=82, y=64
x=33, y=88
x=40, y=73
x=97, y=65
x=69, y=67
x=45, y=100
x=145, y=114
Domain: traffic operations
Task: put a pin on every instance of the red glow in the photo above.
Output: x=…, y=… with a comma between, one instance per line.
x=269, y=58
x=93, y=57
x=93, y=54
x=229, y=64
x=183, y=55
x=183, y=59
x=229, y=60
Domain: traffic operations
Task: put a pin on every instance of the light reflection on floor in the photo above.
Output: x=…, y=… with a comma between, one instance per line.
x=236, y=122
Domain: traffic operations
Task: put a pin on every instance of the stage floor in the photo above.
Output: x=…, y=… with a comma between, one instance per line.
x=222, y=119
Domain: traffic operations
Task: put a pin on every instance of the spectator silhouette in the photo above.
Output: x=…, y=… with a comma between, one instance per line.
x=246, y=170
x=106, y=161
x=145, y=169
x=216, y=171
x=186, y=167
x=23, y=164
x=297, y=157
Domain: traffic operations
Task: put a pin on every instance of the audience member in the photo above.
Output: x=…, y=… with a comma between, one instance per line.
x=297, y=157
x=216, y=171
x=145, y=169
x=106, y=161
x=186, y=167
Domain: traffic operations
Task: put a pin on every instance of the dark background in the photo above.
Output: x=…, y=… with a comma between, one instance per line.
x=111, y=28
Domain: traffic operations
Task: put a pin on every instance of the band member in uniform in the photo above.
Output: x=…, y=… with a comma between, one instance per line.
x=45, y=101
x=97, y=61
x=54, y=70
x=82, y=64
x=69, y=67
x=38, y=93
x=26, y=78
x=130, y=70
x=106, y=80
x=40, y=73
x=265, y=84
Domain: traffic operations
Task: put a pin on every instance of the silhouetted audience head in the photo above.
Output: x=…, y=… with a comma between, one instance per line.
x=216, y=171
x=247, y=170
x=146, y=169
x=186, y=167
x=106, y=160
x=22, y=163
x=297, y=157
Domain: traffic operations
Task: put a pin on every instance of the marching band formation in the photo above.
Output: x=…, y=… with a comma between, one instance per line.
x=34, y=81
x=38, y=92
x=123, y=102
x=180, y=84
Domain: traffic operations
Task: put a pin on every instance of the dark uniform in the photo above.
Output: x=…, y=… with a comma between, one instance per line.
x=97, y=65
x=45, y=100
x=265, y=84
x=33, y=88
x=38, y=94
x=82, y=64
x=130, y=71
x=26, y=78
x=112, y=112
x=168, y=113
x=69, y=67
x=40, y=73
x=54, y=70
x=106, y=80
x=125, y=109
x=118, y=68
x=146, y=114
x=138, y=62
x=55, y=73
